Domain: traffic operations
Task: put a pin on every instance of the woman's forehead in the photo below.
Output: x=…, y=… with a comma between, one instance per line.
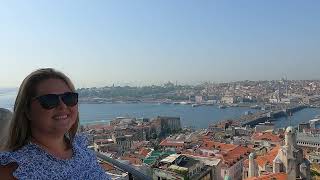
x=52, y=86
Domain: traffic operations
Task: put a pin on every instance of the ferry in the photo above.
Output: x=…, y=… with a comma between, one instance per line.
x=255, y=107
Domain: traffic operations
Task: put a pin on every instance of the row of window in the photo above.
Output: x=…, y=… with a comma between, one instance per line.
x=307, y=143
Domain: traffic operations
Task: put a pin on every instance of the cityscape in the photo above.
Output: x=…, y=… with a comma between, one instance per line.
x=249, y=147
x=246, y=147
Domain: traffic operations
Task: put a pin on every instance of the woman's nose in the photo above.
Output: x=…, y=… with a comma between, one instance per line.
x=61, y=105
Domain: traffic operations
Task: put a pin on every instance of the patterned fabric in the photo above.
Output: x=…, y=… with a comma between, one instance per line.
x=34, y=163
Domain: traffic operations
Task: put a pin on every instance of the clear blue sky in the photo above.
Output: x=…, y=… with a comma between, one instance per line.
x=139, y=42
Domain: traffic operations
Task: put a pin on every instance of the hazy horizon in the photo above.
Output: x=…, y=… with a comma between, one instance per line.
x=161, y=84
x=100, y=43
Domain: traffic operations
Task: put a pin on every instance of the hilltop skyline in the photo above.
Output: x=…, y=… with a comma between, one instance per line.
x=153, y=42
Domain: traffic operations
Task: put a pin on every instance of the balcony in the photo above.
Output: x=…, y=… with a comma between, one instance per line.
x=133, y=174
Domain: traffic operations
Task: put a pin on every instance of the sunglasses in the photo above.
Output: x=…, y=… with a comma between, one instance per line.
x=50, y=101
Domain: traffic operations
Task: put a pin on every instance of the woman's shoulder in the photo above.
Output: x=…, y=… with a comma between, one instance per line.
x=6, y=171
x=9, y=162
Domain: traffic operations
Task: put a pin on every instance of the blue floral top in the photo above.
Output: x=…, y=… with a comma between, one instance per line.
x=34, y=163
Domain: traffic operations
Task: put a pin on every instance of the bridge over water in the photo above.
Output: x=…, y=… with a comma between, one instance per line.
x=260, y=117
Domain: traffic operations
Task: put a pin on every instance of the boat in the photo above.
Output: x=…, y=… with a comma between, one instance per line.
x=248, y=113
x=196, y=105
x=255, y=107
x=222, y=107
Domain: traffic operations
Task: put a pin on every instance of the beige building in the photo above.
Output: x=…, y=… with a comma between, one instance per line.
x=228, y=100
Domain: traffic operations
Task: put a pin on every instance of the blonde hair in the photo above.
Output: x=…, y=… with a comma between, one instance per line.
x=19, y=131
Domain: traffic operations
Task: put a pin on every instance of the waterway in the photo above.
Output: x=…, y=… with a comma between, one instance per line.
x=198, y=117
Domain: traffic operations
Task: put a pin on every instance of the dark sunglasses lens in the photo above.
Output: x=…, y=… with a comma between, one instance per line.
x=49, y=101
x=70, y=99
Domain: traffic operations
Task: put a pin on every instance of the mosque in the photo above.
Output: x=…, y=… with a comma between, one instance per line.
x=287, y=159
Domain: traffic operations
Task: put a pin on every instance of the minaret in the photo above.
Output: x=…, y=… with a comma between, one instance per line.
x=278, y=97
x=286, y=83
x=290, y=162
x=290, y=137
x=252, y=166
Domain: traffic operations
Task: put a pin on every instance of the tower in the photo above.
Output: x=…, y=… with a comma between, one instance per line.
x=289, y=156
x=252, y=166
x=279, y=92
x=290, y=137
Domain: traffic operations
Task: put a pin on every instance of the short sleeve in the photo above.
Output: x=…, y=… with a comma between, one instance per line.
x=6, y=158
x=13, y=157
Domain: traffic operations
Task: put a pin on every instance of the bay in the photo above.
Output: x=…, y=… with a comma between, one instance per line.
x=198, y=117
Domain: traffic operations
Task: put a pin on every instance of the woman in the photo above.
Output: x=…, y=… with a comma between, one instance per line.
x=41, y=141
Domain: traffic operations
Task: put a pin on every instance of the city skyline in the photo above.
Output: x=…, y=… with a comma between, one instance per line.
x=153, y=42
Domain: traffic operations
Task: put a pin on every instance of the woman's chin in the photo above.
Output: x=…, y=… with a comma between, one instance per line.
x=62, y=127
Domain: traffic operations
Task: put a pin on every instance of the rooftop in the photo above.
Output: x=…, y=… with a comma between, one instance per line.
x=266, y=136
x=217, y=145
x=235, y=155
x=172, y=142
x=277, y=176
x=265, y=159
x=154, y=156
x=187, y=162
x=171, y=158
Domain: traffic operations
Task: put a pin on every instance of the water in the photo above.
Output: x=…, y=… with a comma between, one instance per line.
x=7, y=97
x=301, y=116
x=199, y=117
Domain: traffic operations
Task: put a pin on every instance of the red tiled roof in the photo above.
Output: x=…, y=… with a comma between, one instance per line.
x=217, y=145
x=277, y=176
x=265, y=159
x=144, y=151
x=235, y=155
x=268, y=158
x=268, y=136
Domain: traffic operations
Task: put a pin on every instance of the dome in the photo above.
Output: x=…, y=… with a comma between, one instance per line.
x=290, y=129
x=252, y=155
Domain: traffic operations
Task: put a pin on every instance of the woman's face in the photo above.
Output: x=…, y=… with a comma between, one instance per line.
x=56, y=121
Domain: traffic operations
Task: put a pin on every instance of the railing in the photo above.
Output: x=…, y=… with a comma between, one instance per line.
x=132, y=173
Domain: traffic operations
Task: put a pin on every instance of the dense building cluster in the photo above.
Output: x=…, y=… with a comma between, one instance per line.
x=162, y=149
